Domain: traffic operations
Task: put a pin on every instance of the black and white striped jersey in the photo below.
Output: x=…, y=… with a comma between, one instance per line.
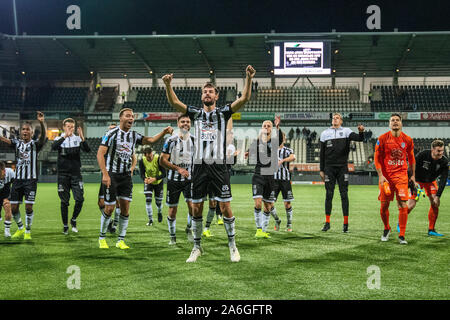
x=283, y=171
x=9, y=176
x=210, y=132
x=260, y=153
x=26, y=158
x=121, y=147
x=181, y=152
x=69, y=161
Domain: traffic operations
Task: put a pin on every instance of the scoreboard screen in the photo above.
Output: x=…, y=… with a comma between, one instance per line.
x=301, y=58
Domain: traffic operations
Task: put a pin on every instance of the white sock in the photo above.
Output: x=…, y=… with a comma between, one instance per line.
x=104, y=222
x=172, y=226
x=229, y=227
x=29, y=221
x=210, y=217
x=289, y=215
x=123, y=225
x=197, y=225
x=7, y=228
x=265, y=220
x=18, y=220
x=149, y=208
x=116, y=216
x=258, y=217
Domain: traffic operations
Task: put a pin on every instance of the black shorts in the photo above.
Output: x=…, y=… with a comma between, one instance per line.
x=67, y=183
x=121, y=187
x=286, y=190
x=212, y=180
x=154, y=189
x=23, y=188
x=263, y=187
x=174, y=189
x=5, y=193
x=336, y=174
x=101, y=191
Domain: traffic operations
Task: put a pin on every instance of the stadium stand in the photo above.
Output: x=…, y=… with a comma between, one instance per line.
x=412, y=98
x=43, y=98
x=293, y=99
x=107, y=99
x=153, y=99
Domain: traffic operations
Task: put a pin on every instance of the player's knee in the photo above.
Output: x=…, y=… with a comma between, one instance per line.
x=28, y=209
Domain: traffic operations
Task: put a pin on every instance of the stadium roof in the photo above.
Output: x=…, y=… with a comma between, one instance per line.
x=143, y=56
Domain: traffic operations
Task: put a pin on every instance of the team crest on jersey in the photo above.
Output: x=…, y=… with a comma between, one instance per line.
x=126, y=147
x=426, y=165
x=397, y=153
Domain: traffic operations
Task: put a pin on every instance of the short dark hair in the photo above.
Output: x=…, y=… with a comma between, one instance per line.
x=2, y=165
x=210, y=85
x=396, y=114
x=437, y=143
x=28, y=123
x=184, y=115
x=148, y=150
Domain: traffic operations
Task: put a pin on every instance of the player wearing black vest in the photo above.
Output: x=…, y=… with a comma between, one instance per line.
x=334, y=150
x=25, y=183
x=68, y=146
x=263, y=152
x=431, y=164
x=210, y=170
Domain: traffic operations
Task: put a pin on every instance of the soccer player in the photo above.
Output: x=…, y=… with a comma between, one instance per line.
x=431, y=164
x=392, y=152
x=118, y=145
x=334, y=150
x=283, y=183
x=25, y=183
x=6, y=177
x=210, y=171
x=263, y=153
x=152, y=174
x=68, y=146
x=177, y=156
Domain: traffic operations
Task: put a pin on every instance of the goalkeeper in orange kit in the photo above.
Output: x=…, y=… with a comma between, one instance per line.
x=393, y=151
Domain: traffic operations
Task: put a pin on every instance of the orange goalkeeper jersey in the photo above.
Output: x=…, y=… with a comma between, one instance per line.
x=392, y=154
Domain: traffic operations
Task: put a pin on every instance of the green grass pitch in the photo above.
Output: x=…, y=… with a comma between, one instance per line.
x=304, y=264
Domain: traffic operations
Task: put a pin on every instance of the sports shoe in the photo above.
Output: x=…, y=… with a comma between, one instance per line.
x=73, y=223
x=149, y=223
x=121, y=245
x=289, y=228
x=385, y=236
x=219, y=220
x=189, y=234
x=173, y=241
x=195, y=253
x=102, y=244
x=207, y=233
x=259, y=233
x=434, y=233
x=160, y=217
x=402, y=240
x=66, y=230
x=277, y=225
x=326, y=226
x=234, y=254
x=27, y=236
x=345, y=228
x=18, y=234
x=266, y=235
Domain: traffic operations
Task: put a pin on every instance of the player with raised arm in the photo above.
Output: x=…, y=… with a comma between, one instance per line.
x=176, y=157
x=431, y=164
x=263, y=153
x=283, y=183
x=115, y=158
x=25, y=183
x=334, y=150
x=68, y=146
x=152, y=174
x=210, y=171
x=393, y=150
x=6, y=178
